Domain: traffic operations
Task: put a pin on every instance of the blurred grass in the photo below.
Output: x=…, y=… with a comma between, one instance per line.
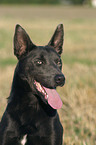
x=78, y=114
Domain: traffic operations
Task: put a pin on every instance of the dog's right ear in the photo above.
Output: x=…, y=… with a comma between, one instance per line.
x=22, y=42
x=57, y=39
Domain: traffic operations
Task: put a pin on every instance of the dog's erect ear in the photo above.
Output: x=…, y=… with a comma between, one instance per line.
x=57, y=39
x=22, y=42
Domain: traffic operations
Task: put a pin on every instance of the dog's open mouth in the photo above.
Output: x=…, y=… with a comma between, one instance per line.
x=50, y=95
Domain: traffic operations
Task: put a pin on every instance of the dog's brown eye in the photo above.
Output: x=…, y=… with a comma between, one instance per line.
x=57, y=61
x=39, y=62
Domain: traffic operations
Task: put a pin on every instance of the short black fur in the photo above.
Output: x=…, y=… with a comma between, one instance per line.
x=28, y=112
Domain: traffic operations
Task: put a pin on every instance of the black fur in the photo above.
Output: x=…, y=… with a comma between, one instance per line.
x=28, y=112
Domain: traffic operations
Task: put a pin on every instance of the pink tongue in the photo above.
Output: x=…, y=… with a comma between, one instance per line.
x=53, y=98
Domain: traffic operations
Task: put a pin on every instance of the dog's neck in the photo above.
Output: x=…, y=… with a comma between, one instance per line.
x=20, y=89
x=19, y=84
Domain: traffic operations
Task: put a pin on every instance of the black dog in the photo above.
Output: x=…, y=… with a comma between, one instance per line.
x=32, y=104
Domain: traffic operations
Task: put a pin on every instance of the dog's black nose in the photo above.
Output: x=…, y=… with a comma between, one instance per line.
x=60, y=80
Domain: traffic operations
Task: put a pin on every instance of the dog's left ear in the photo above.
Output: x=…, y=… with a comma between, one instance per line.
x=57, y=39
x=22, y=42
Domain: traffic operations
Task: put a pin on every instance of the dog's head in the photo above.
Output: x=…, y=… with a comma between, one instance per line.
x=41, y=66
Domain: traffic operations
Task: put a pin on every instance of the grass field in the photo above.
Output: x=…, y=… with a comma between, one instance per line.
x=78, y=114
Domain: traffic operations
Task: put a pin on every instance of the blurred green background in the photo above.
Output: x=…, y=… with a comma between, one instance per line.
x=78, y=114
x=76, y=2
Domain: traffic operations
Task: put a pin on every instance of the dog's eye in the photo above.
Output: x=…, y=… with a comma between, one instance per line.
x=58, y=62
x=39, y=62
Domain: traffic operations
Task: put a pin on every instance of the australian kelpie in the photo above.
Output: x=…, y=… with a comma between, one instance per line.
x=31, y=112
